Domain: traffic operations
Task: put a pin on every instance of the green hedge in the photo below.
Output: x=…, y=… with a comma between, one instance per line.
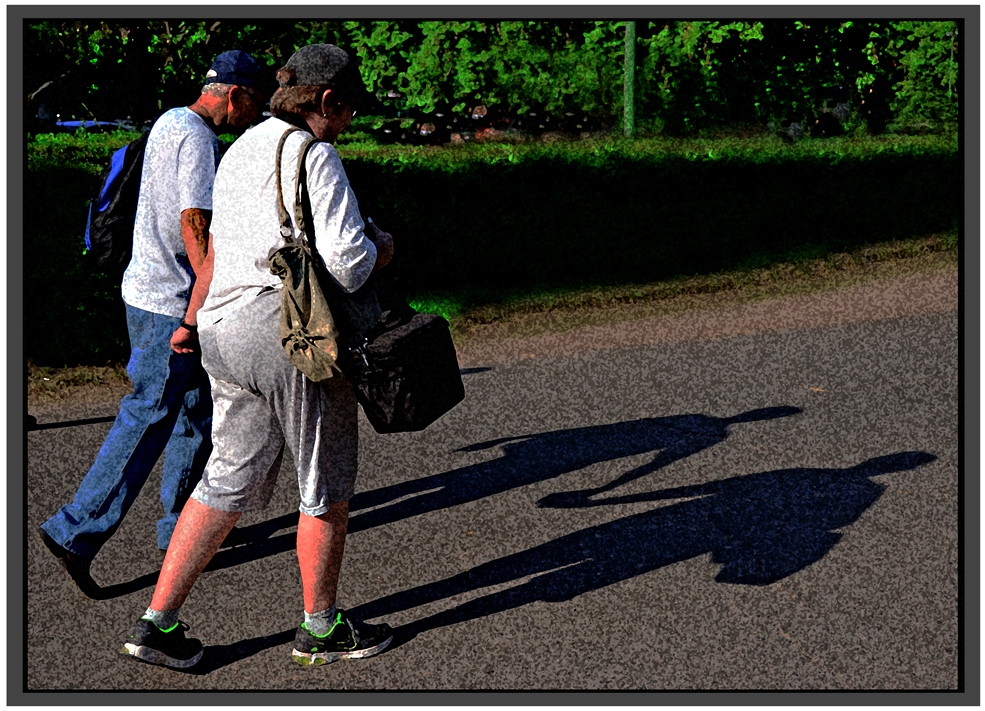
x=72, y=315
x=497, y=217
x=489, y=219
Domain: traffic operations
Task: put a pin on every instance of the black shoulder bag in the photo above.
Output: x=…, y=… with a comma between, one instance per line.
x=403, y=365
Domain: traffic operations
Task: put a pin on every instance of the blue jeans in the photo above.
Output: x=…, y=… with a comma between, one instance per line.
x=169, y=410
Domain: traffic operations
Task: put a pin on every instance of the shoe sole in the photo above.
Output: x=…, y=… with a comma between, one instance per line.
x=152, y=656
x=307, y=659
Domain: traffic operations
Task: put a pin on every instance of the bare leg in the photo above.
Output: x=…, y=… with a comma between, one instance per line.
x=321, y=542
x=197, y=536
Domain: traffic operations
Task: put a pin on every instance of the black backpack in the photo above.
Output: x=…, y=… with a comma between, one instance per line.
x=113, y=209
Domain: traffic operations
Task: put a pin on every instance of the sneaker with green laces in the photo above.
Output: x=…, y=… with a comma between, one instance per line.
x=169, y=648
x=348, y=639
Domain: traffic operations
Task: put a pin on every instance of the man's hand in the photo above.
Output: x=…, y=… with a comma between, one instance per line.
x=384, y=244
x=384, y=250
x=184, y=341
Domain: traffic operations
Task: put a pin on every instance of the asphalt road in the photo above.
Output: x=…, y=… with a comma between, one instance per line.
x=767, y=507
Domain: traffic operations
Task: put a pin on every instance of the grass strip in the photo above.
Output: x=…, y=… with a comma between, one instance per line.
x=467, y=308
x=530, y=312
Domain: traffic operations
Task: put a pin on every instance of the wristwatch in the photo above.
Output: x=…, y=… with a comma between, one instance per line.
x=189, y=327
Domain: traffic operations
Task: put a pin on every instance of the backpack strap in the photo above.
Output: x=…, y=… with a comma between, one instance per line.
x=286, y=229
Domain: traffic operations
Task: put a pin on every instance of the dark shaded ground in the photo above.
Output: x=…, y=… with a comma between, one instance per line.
x=731, y=499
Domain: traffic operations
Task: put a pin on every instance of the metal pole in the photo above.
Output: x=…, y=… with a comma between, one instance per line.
x=629, y=118
x=950, y=66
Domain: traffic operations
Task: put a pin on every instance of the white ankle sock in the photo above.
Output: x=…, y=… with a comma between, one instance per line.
x=163, y=619
x=320, y=623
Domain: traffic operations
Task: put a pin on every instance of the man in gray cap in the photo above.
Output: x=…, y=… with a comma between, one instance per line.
x=262, y=402
x=170, y=408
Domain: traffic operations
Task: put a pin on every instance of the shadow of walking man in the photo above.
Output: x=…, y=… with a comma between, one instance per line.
x=530, y=459
x=760, y=528
x=526, y=460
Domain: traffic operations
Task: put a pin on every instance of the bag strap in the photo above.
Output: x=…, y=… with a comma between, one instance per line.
x=335, y=296
x=302, y=208
x=286, y=229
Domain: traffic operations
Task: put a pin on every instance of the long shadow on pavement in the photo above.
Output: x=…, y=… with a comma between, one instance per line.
x=760, y=528
x=536, y=458
x=526, y=460
x=255, y=542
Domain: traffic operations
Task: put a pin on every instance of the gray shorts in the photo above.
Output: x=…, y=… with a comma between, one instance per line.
x=260, y=403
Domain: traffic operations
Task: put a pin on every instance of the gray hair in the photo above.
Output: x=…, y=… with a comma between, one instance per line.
x=216, y=89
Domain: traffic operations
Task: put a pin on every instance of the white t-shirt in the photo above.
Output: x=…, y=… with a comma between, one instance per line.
x=179, y=169
x=246, y=224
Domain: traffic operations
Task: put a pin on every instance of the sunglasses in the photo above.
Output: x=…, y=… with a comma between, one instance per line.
x=347, y=105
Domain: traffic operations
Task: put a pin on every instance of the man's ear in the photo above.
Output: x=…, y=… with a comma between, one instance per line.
x=231, y=98
x=326, y=101
x=236, y=93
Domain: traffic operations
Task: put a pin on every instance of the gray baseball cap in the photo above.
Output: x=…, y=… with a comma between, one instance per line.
x=319, y=64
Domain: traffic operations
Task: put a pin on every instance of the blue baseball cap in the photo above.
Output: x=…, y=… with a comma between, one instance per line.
x=234, y=67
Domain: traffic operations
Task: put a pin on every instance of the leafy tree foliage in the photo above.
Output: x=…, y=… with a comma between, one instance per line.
x=690, y=75
x=927, y=53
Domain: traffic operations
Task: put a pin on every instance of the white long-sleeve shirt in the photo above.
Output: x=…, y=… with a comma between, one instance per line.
x=246, y=224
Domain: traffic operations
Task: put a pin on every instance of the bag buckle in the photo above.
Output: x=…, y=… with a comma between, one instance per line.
x=360, y=350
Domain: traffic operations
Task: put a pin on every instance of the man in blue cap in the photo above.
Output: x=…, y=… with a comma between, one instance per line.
x=170, y=408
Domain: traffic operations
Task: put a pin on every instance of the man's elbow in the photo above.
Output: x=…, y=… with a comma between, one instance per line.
x=196, y=220
x=352, y=280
